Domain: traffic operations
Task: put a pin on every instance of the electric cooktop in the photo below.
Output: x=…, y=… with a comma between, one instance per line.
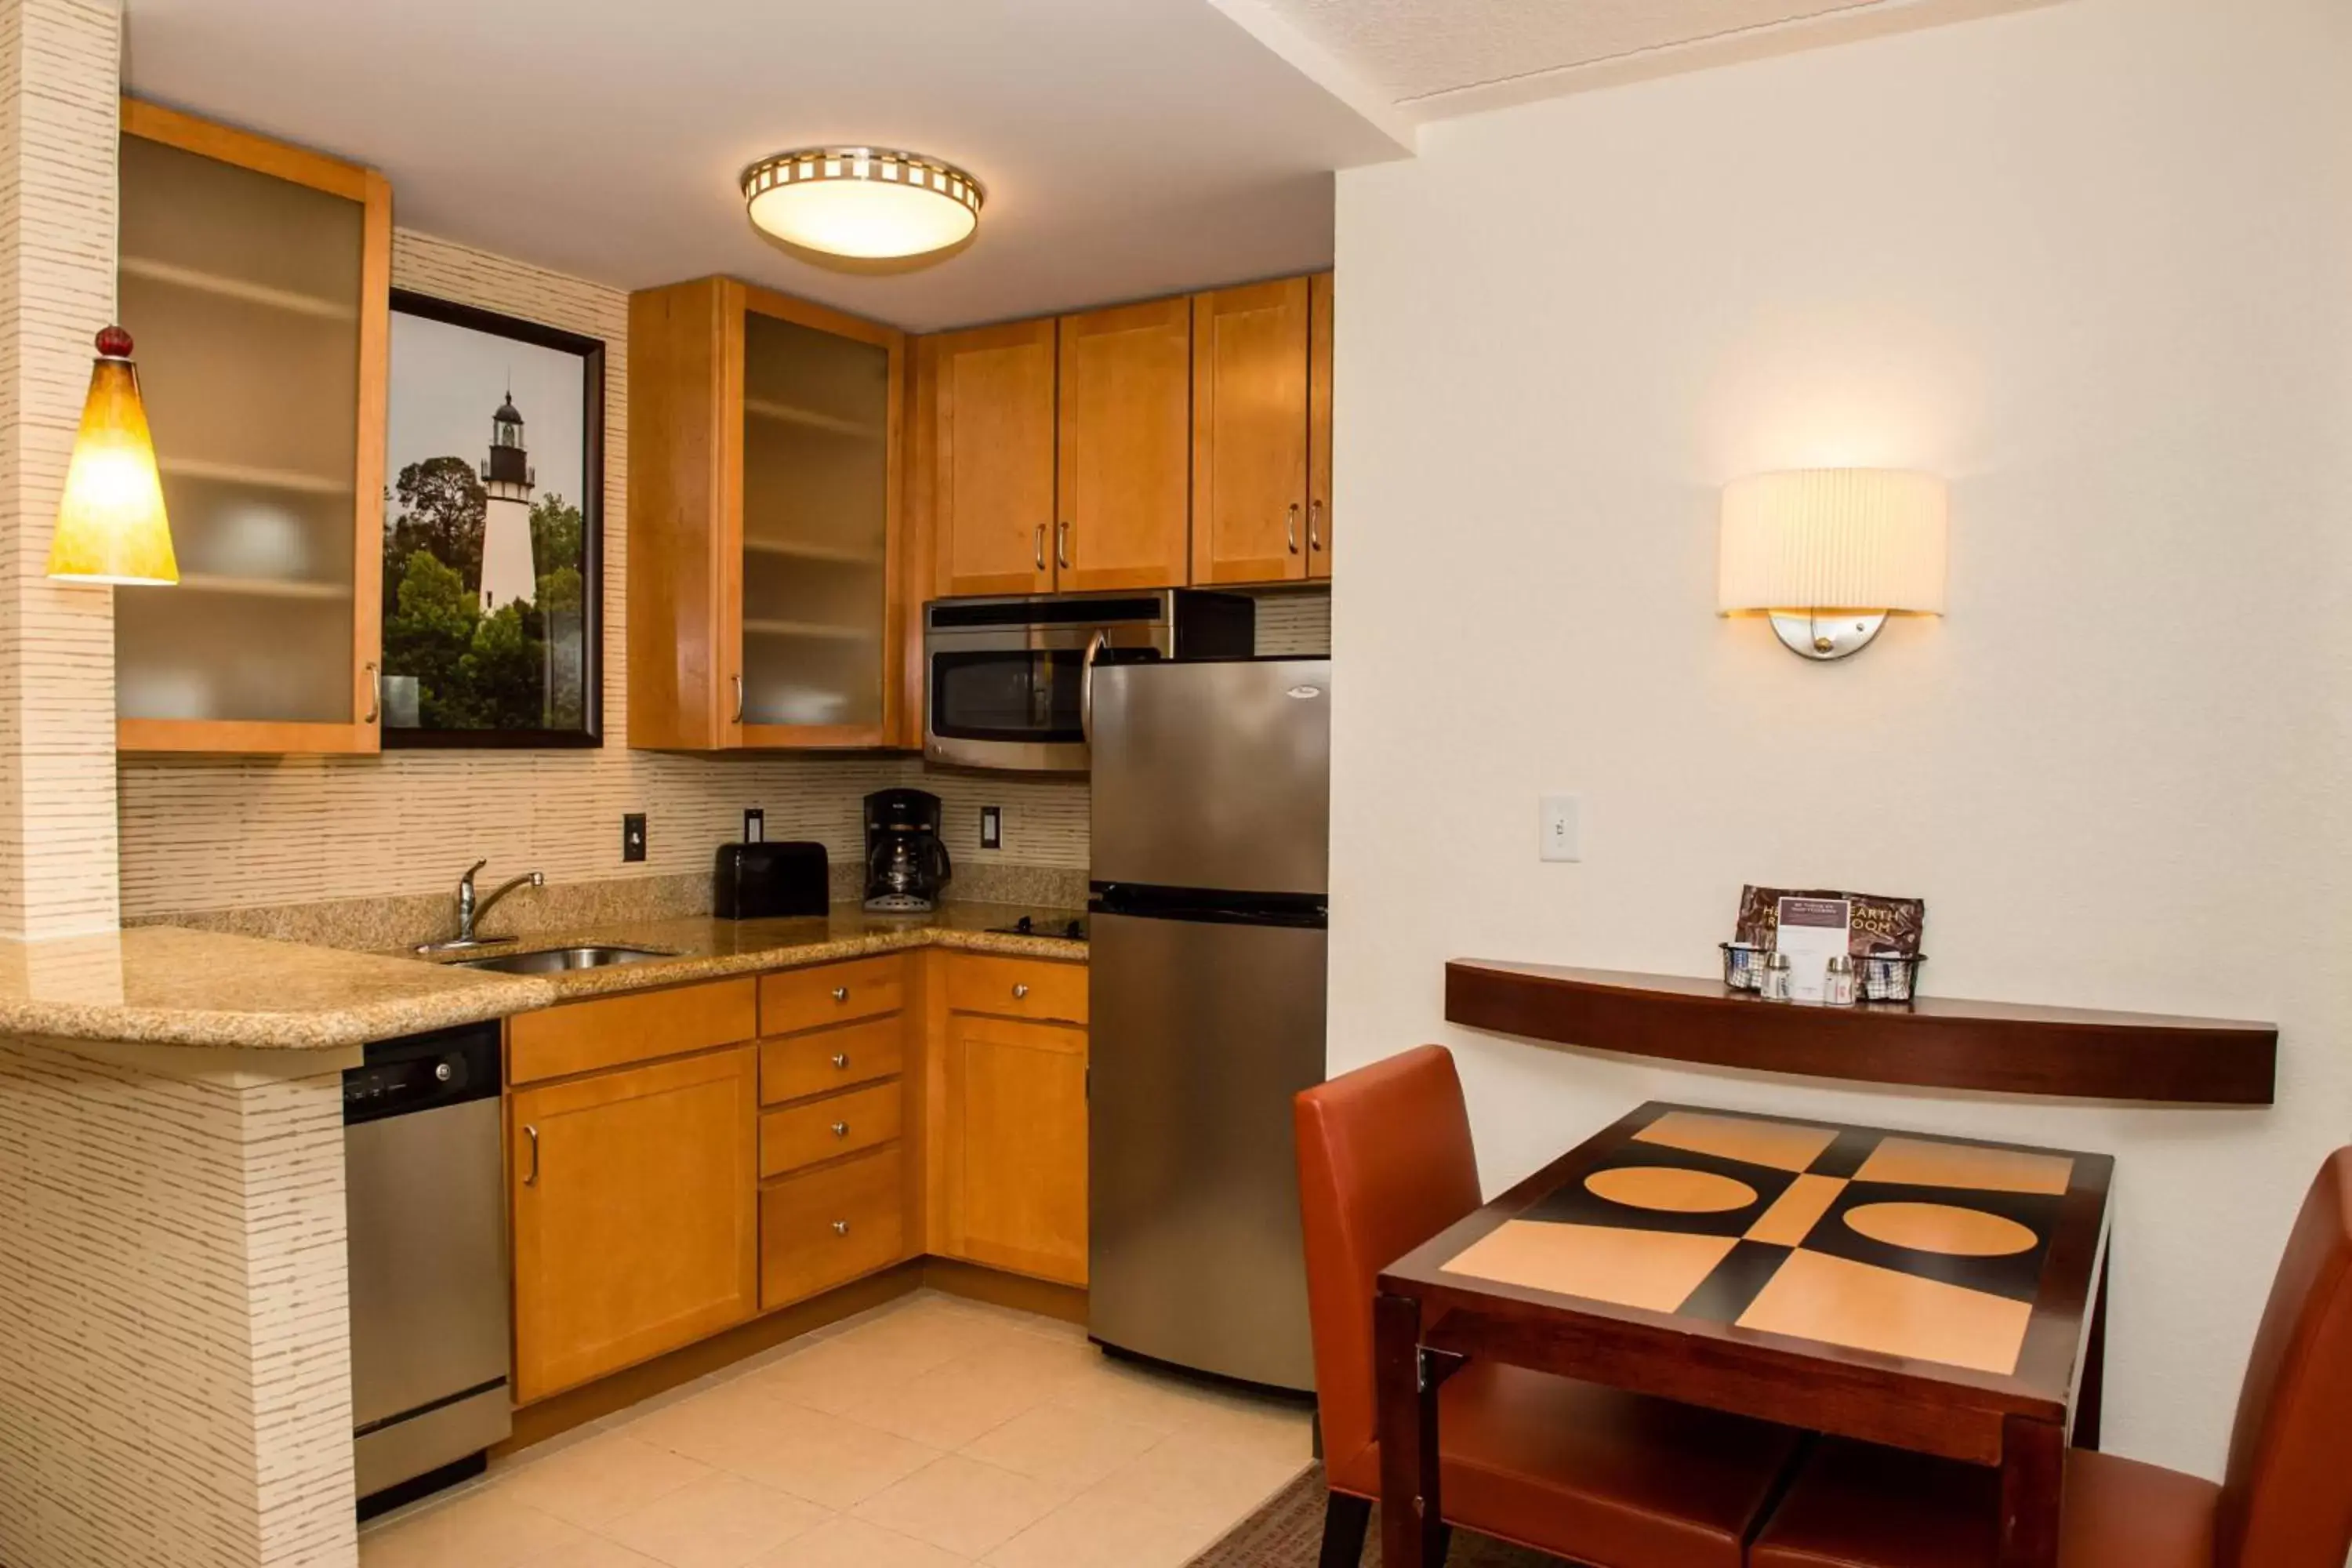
x=1071, y=930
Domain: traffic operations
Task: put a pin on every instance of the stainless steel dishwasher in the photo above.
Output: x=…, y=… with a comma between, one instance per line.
x=424, y=1184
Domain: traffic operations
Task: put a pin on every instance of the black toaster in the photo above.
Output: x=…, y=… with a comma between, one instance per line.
x=766, y=881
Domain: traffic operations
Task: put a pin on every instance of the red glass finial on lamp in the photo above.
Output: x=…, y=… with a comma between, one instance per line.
x=113, y=343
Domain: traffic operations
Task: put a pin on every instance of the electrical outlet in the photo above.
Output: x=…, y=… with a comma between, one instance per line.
x=992, y=828
x=632, y=836
x=755, y=825
x=1563, y=824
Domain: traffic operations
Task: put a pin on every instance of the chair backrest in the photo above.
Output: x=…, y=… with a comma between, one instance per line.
x=1385, y=1161
x=2287, y=1499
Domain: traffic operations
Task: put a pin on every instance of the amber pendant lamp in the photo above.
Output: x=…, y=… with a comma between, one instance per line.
x=111, y=523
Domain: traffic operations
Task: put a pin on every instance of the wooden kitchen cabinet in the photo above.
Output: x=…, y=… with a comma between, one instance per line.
x=993, y=455
x=635, y=1214
x=1250, y=354
x=765, y=592
x=1123, y=460
x=1318, y=424
x=254, y=279
x=1014, y=1145
x=836, y=1190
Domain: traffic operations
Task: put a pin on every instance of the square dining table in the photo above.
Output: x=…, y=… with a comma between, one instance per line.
x=1930, y=1293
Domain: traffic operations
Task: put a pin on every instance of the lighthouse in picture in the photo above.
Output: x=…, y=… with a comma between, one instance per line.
x=508, y=577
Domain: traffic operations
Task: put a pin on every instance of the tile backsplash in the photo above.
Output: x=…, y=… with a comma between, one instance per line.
x=211, y=834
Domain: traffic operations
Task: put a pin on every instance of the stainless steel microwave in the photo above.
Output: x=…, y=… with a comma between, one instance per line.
x=1006, y=679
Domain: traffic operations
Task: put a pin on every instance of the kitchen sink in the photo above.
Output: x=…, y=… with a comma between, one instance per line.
x=555, y=960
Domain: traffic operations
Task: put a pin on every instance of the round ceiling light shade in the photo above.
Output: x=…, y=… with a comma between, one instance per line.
x=868, y=203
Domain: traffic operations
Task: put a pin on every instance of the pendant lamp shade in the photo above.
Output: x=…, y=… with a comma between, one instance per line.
x=111, y=523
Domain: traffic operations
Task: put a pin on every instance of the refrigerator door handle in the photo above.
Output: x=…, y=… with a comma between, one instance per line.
x=1094, y=645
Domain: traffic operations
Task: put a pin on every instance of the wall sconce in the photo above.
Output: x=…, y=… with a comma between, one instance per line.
x=1828, y=552
x=110, y=522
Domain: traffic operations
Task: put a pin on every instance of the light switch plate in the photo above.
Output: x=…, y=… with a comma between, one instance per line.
x=1563, y=826
x=992, y=828
x=755, y=825
x=632, y=836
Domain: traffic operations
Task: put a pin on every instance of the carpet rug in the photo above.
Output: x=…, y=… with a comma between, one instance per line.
x=1287, y=1532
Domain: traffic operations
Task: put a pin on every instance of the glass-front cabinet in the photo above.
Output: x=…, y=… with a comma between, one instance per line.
x=254, y=280
x=764, y=599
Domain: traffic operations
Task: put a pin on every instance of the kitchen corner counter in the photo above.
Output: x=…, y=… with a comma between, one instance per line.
x=703, y=948
x=166, y=987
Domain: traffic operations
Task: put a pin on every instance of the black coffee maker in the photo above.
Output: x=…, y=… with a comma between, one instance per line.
x=905, y=864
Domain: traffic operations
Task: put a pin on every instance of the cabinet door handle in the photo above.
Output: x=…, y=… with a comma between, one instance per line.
x=1062, y=544
x=841, y=1227
x=1020, y=990
x=840, y=1061
x=1315, y=525
x=841, y=1130
x=1290, y=529
x=1041, y=547
x=739, y=698
x=375, y=696
x=841, y=993
x=532, y=1179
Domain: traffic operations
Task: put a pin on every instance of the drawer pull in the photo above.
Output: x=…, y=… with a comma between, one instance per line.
x=841, y=1227
x=841, y=993
x=840, y=1061
x=1020, y=990
x=841, y=1130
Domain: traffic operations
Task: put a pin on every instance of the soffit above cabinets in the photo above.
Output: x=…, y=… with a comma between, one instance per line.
x=1431, y=60
x=1128, y=149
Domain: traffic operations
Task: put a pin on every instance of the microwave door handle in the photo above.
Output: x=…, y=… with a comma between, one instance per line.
x=1094, y=645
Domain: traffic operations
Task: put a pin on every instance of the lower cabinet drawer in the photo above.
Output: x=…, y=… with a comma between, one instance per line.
x=801, y=1065
x=829, y=1227
x=827, y=1129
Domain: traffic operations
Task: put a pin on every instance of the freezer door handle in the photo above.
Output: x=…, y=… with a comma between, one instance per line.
x=1094, y=645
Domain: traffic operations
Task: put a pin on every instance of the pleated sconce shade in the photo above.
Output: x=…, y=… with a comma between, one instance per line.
x=1847, y=539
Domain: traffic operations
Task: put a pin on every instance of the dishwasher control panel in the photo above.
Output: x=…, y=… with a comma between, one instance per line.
x=422, y=1072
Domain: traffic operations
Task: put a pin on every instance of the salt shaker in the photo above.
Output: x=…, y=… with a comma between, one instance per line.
x=1837, y=982
x=1777, y=979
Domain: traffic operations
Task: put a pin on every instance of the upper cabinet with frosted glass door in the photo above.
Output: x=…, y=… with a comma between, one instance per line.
x=764, y=608
x=254, y=279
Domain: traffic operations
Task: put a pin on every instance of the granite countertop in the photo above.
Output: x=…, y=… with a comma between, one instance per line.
x=170, y=986
x=162, y=986
x=702, y=948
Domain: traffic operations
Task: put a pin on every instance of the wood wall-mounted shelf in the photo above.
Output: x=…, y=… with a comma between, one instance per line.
x=1933, y=1043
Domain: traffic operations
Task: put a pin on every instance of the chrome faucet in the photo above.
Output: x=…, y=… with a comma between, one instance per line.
x=472, y=908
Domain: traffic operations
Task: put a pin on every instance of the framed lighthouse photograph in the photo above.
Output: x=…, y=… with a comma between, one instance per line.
x=493, y=526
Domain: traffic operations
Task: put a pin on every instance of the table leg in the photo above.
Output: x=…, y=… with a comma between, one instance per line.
x=2032, y=1491
x=1413, y=1521
x=2089, y=1397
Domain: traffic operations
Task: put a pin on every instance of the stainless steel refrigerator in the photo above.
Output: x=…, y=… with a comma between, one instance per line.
x=1212, y=785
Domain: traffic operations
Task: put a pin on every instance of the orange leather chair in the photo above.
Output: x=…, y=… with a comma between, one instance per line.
x=1583, y=1472
x=2286, y=1502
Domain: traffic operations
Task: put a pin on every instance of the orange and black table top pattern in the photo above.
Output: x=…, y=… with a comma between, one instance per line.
x=1926, y=1248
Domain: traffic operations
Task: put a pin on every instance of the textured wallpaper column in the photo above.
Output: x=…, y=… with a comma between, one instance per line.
x=57, y=118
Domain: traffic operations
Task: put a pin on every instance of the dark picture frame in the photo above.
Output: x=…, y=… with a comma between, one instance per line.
x=589, y=504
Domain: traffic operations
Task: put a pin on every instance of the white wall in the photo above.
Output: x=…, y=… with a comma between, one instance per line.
x=2093, y=263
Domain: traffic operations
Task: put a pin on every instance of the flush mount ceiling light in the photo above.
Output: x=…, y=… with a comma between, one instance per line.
x=1828, y=552
x=866, y=203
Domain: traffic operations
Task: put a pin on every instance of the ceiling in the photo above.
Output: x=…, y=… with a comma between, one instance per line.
x=1128, y=148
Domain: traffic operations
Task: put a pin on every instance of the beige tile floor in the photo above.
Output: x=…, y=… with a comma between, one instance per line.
x=931, y=1432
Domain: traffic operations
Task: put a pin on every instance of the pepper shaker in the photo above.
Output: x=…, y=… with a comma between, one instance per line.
x=1778, y=980
x=1837, y=981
